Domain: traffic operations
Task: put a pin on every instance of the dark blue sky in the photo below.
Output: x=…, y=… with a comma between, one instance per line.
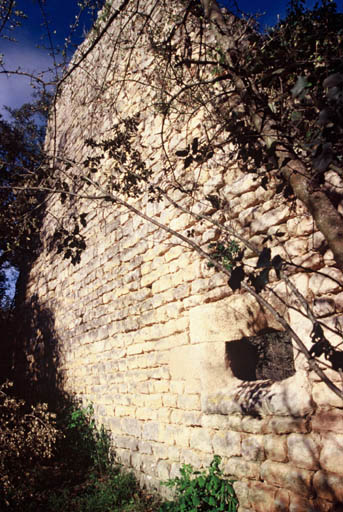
x=61, y=13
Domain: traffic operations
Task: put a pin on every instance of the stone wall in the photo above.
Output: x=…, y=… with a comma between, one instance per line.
x=143, y=324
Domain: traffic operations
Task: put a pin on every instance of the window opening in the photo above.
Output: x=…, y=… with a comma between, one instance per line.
x=269, y=355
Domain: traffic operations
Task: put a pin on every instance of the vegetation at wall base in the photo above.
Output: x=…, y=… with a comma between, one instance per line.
x=201, y=491
x=61, y=463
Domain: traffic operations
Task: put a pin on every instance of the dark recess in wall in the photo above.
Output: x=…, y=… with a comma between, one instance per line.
x=269, y=355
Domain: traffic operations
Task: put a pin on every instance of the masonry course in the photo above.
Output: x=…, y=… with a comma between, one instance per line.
x=142, y=322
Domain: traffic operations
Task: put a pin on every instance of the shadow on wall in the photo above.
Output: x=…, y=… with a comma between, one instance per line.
x=268, y=355
x=294, y=444
x=36, y=356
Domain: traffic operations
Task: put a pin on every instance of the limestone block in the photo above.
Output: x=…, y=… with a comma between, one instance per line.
x=331, y=456
x=287, y=476
x=296, y=246
x=229, y=319
x=253, y=448
x=182, y=360
x=144, y=447
x=163, y=470
x=245, y=218
x=254, y=425
x=160, y=386
x=115, y=424
x=235, y=422
x=242, y=492
x=310, y=260
x=209, y=236
x=246, y=183
x=169, y=400
x=127, y=458
x=262, y=496
x=199, y=286
x=282, y=500
x=160, y=450
x=129, y=443
x=149, y=465
x=228, y=444
x=247, y=200
x=273, y=217
x=323, y=306
x=193, y=386
x=301, y=504
x=181, y=222
x=189, y=402
x=303, y=328
x=173, y=453
x=181, y=291
x=136, y=461
x=328, y=281
x=181, y=435
x=303, y=450
x=329, y=258
x=150, y=431
x=275, y=448
x=215, y=421
x=328, y=420
x=177, y=386
x=291, y=396
x=240, y=468
x=124, y=410
x=162, y=284
x=154, y=401
x=191, y=457
x=328, y=485
x=201, y=439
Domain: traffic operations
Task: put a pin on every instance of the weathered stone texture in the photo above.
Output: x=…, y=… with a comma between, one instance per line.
x=143, y=323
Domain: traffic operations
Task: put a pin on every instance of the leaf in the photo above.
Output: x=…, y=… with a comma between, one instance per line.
x=236, y=278
x=264, y=258
x=187, y=162
x=261, y=280
x=336, y=359
x=182, y=152
x=214, y=200
x=300, y=86
x=83, y=219
x=317, y=333
x=277, y=264
x=264, y=182
x=296, y=116
x=195, y=145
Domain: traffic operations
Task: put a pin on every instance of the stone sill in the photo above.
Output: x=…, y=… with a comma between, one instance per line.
x=290, y=397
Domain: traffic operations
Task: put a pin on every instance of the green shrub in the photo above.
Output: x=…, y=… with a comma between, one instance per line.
x=200, y=491
x=88, y=445
x=94, y=481
x=109, y=493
